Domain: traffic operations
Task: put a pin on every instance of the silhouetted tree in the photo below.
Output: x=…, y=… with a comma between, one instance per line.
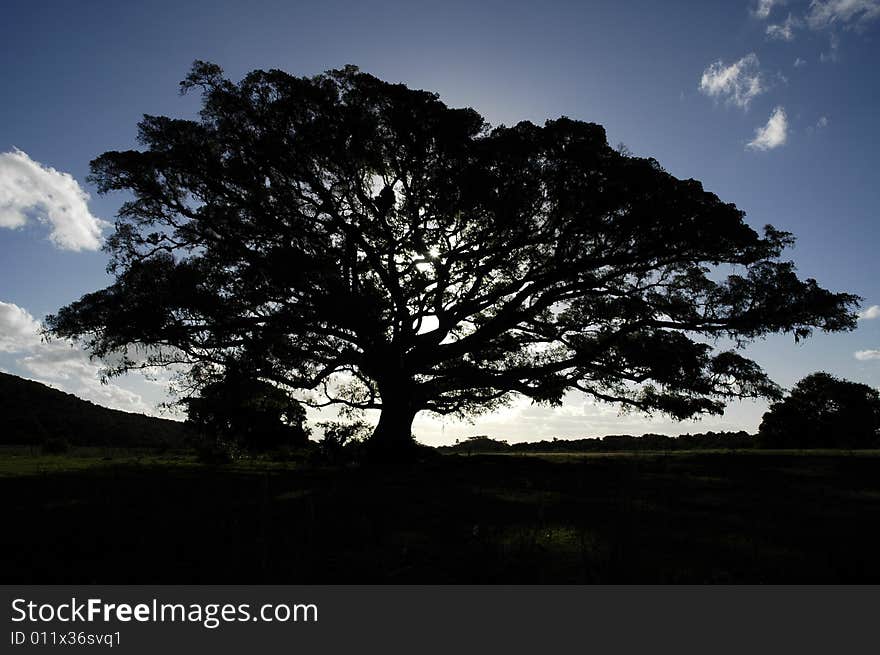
x=362, y=241
x=242, y=412
x=823, y=411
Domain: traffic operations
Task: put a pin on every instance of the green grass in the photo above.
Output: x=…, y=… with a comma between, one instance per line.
x=100, y=516
x=29, y=460
x=18, y=461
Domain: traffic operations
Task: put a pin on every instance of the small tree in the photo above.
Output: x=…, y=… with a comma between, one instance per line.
x=237, y=412
x=363, y=244
x=823, y=411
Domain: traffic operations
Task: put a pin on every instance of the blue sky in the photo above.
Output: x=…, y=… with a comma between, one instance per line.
x=773, y=105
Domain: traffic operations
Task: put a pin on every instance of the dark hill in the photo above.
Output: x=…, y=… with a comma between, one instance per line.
x=33, y=413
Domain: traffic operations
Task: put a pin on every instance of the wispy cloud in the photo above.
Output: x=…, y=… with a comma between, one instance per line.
x=783, y=31
x=739, y=82
x=764, y=7
x=31, y=191
x=870, y=313
x=772, y=135
x=867, y=355
x=60, y=363
x=833, y=46
x=848, y=14
x=798, y=62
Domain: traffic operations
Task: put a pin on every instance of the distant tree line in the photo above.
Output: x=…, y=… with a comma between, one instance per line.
x=821, y=411
x=611, y=443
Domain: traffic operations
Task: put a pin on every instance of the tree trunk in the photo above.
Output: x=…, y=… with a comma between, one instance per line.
x=392, y=437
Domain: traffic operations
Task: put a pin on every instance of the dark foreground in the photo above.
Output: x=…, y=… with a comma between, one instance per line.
x=747, y=517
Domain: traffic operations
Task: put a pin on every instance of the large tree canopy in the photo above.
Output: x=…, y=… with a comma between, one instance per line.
x=365, y=243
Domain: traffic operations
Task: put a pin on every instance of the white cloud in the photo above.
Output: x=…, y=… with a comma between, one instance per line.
x=798, y=62
x=739, y=83
x=764, y=7
x=773, y=134
x=783, y=31
x=60, y=363
x=870, y=313
x=69, y=369
x=846, y=13
x=18, y=329
x=866, y=355
x=29, y=190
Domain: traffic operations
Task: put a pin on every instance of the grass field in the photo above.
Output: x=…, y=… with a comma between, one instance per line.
x=104, y=516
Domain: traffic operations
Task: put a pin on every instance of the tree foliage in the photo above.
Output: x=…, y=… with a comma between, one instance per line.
x=362, y=243
x=823, y=411
x=240, y=412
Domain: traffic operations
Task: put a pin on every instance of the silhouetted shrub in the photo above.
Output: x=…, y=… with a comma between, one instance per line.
x=290, y=454
x=55, y=446
x=482, y=444
x=162, y=446
x=213, y=450
x=343, y=442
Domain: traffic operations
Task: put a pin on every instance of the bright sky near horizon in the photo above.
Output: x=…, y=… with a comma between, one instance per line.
x=772, y=104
